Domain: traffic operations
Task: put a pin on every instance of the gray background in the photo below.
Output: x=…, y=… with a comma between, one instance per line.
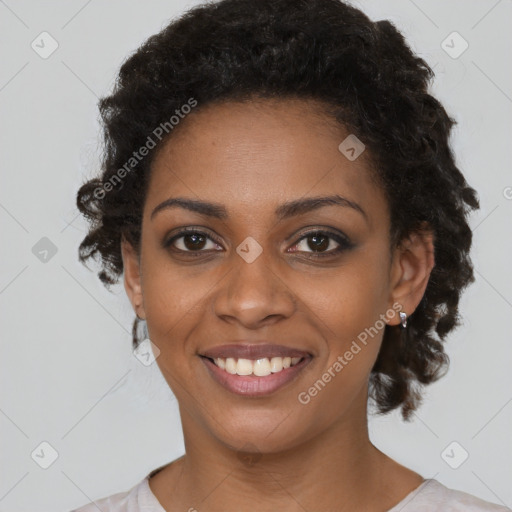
x=68, y=376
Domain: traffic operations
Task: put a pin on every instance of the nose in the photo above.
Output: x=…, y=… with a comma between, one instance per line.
x=254, y=294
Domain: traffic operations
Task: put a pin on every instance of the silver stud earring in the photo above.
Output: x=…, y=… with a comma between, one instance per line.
x=403, y=319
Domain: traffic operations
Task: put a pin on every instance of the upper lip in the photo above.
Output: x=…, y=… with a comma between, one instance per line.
x=253, y=351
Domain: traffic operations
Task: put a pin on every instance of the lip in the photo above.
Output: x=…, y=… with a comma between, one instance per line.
x=253, y=351
x=252, y=385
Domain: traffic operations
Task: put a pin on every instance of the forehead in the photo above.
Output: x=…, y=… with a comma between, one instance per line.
x=258, y=154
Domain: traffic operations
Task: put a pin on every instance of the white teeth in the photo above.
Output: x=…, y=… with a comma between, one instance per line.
x=259, y=367
x=276, y=364
x=244, y=367
x=230, y=365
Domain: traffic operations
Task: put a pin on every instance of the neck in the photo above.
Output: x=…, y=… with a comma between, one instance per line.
x=337, y=469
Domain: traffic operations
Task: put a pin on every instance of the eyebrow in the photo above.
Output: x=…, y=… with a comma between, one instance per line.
x=284, y=211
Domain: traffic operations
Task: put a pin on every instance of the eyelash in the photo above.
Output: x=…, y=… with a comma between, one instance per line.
x=343, y=241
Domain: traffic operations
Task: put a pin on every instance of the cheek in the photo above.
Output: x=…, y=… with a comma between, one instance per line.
x=351, y=297
x=350, y=308
x=173, y=307
x=175, y=300
x=338, y=382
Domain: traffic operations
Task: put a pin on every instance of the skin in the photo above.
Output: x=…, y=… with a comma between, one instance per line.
x=252, y=157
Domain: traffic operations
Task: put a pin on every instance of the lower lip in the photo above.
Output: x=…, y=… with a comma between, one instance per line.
x=251, y=385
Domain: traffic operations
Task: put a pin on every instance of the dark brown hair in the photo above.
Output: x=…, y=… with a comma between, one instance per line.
x=375, y=86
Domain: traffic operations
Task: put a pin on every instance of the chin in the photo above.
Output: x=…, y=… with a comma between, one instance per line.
x=246, y=431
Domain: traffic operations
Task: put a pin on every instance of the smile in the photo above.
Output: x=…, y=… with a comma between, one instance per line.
x=255, y=378
x=259, y=367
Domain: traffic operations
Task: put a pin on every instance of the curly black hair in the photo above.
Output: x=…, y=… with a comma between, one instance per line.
x=371, y=83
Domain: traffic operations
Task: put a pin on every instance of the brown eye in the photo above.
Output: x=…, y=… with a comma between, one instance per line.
x=322, y=243
x=192, y=241
x=318, y=242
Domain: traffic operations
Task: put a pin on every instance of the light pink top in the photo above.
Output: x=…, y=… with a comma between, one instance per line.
x=430, y=496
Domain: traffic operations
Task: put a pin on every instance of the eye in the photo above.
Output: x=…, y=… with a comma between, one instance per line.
x=322, y=243
x=192, y=240
x=316, y=243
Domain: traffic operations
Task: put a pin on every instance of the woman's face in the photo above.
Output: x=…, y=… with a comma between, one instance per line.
x=270, y=266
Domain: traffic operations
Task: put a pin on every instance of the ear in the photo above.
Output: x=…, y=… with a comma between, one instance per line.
x=132, y=277
x=413, y=261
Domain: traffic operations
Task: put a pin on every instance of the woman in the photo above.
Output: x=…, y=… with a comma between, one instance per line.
x=280, y=196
